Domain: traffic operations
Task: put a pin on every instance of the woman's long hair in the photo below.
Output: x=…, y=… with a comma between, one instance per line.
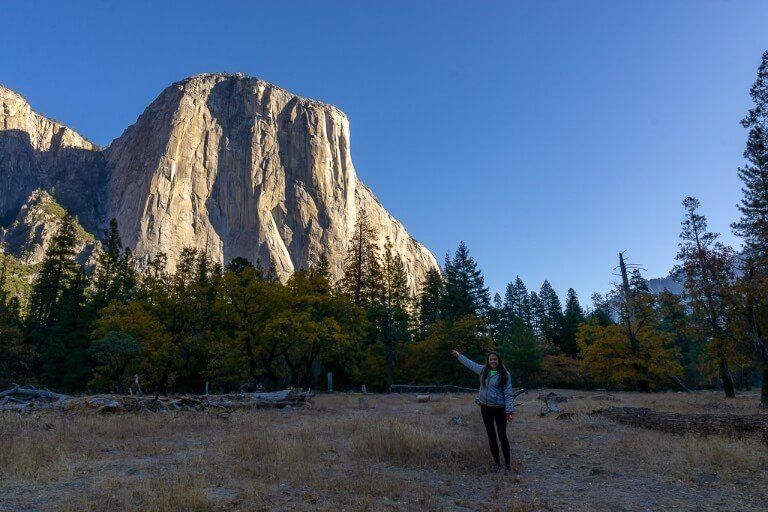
x=503, y=373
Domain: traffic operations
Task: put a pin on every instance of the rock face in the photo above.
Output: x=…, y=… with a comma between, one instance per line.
x=225, y=163
x=37, y=153
x=28, y=236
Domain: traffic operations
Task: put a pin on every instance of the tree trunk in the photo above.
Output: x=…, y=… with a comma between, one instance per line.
x=764, y=392
x=390, y=355
x=252, y=366
x=727, y=378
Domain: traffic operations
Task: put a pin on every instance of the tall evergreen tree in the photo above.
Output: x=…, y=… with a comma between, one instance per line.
x=238, y=265
x=708, y=269
x=753, y=224
x=465, y=291
x=497, y=322
x=108, y=267
x=571, y=319
x=323, y=267
x=127, y=277
x=520, y=351
x=752, y=227
x=538, y=313
x=64, y=355
x=57, y=269
x=637, y=283
x=600, y=314
x=55, y=322
x=675, y=319
x=16, y=355
x=523, y=307
x=552, y=313
x=517, y=302
x=429, y=299
x=510, y=303
x=393, y=315
x=362, y=268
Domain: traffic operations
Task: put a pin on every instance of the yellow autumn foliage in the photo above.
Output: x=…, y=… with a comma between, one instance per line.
x=610, y=359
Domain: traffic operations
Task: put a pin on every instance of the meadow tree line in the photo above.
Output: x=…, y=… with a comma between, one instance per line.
x=239, y=326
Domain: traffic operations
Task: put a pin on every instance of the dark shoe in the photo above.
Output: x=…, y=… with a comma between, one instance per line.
x=495, y=468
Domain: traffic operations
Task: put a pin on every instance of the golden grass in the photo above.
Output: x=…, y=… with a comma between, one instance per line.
x=396, y=455
x=267, y=449
x=690, y=456
x=177, y=492
x=417, y=445
x=34, y=450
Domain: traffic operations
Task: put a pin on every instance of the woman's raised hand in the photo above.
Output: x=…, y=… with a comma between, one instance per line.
x=455, y=353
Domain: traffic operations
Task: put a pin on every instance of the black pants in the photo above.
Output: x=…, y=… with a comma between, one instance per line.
x=495, y=420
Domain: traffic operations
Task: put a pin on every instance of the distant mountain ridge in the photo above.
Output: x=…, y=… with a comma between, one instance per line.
x=670, y=283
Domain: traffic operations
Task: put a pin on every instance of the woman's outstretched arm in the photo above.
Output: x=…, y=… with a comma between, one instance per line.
x=477, y=368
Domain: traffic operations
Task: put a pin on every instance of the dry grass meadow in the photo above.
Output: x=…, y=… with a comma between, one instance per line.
x=396, y=455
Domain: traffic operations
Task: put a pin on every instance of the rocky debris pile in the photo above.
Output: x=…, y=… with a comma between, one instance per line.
x=25, y=400
x=729, y=425
x=551, y=400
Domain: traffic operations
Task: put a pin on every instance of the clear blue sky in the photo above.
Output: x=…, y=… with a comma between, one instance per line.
x=547, y=135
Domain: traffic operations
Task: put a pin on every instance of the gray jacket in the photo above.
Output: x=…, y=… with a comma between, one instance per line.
x=490, y=392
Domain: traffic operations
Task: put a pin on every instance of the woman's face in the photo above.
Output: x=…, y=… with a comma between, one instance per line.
x=493, y=361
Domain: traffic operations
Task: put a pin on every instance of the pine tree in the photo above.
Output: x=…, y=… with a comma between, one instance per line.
x=465, y=291
x=600, y=314
x=238, y=265
x=517, y=302
x=55, y=321
x=553, y=313
x=16, y=356
x=708, y=269
x=497, y=322
x=362, y=268
x=64, y=356
x=511, y=301
x=57, y=269
x=675, y=319
x=637, y=283
x=393, y=317
x=108, y=267
x=523, y=307
x=271, y=274
x=538, y=313
x=429, y=299
x=520, y=351
x=323, y=266
x=753, y=224
x=127, y=279
x=573, y=317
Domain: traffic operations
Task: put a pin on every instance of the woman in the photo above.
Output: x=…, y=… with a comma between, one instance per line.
x=495, y=400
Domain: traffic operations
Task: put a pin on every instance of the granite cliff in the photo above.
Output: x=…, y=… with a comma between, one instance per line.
x=225, y=163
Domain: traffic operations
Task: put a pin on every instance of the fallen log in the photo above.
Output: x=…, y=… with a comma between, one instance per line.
x=680, y=384
x=28, y=400
x=33, y=393
x=448, y=388
x=728, y=425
